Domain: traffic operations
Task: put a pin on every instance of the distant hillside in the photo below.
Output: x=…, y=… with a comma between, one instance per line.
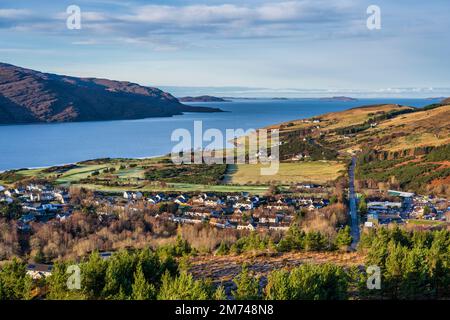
x=30, y=96
x=397, y=146
x=446, y=101
x=340, y=98
x=203, y=99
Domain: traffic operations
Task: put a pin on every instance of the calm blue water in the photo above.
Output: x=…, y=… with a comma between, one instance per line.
x=40, y=145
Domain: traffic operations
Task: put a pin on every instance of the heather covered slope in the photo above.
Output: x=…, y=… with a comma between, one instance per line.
x=398, y=147
x=389, y=128
x=31, y=96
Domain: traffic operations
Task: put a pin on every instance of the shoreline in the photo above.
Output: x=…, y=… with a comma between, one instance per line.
x=275, y=122
x=75, y=163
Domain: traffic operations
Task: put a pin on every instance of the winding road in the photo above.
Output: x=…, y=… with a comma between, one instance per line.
x=352, y=203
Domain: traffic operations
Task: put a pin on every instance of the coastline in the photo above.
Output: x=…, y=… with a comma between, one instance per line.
x=121, y=138
x=75, y=163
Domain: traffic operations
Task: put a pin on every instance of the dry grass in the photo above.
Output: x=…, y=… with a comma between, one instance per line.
x=225, y=268
x=315, y=171
x=426, y=128
x=334, y=120
x=356, y=116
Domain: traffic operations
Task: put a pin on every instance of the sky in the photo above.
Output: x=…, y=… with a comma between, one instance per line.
x=246, y=47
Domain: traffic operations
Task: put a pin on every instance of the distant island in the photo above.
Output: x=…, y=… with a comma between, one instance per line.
x=203, y=99
x=339, y=98
x=436, y=98
x=28, y=96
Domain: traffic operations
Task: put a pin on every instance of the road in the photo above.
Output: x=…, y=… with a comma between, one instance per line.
x=352, y=203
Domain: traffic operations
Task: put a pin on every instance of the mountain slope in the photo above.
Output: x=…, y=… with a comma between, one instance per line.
x=31, y=96
x=398, y=147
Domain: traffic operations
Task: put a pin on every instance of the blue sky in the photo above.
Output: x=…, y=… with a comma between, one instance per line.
x=303, y=48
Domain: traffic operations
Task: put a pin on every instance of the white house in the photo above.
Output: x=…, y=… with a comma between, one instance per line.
x=249, y=226
x=248, y=205
x=127, y=195
x=35, y=197
x=37, y=271
x=61, y=197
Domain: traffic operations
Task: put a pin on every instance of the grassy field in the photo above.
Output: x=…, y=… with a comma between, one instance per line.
x=79, y=173
x=316, y=172
x=341, y=119
x=179, y=187
x=133, y=169
x=418, y=222
x=356, y=115
x=428, y=128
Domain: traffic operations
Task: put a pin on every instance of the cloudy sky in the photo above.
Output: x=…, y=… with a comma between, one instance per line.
x=303, y=47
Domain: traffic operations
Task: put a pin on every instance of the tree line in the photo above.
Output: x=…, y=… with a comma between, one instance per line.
x=413, y=265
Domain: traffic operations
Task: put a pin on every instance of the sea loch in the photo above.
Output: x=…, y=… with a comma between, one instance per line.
x=38, y=145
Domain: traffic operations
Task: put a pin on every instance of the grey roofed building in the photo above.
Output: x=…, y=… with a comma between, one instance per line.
x=402, y=194
x=38, y=270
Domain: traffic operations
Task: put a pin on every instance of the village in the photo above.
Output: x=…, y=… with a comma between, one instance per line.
x=242, y=211
x=409, y=207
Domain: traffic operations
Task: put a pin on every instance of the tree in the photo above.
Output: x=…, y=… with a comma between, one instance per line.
x=343, y=238
x=57, y=284
x=294, y=239
x=247, y=285
x=278, y=286
x=315, y=241
x=415, y=277
x=414, y=265
x=94, y=272
x=184, y=287
x=362, y=205
x=151, y=265
x=318, y=282
x=141, y=289
x=11, y=210
x=222, y=249
x=438, y=261
x=378, y=251
x=119, y=275
x=15, y=284
x=220, y=294
x=393, y=274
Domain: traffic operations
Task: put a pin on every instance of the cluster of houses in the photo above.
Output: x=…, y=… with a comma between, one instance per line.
x=236, y=211
x=429, y=208
x=411, y=206
x=38, y=202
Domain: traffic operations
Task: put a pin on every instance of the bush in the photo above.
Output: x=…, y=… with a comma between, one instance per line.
x=184, y=287
x=308, y=282
x=247, y=286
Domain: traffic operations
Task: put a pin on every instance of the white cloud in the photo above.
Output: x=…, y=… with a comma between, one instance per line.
x=195, y=14
x=284, y=11
x=14, y=13
x=85, y=42
x=270, y=19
